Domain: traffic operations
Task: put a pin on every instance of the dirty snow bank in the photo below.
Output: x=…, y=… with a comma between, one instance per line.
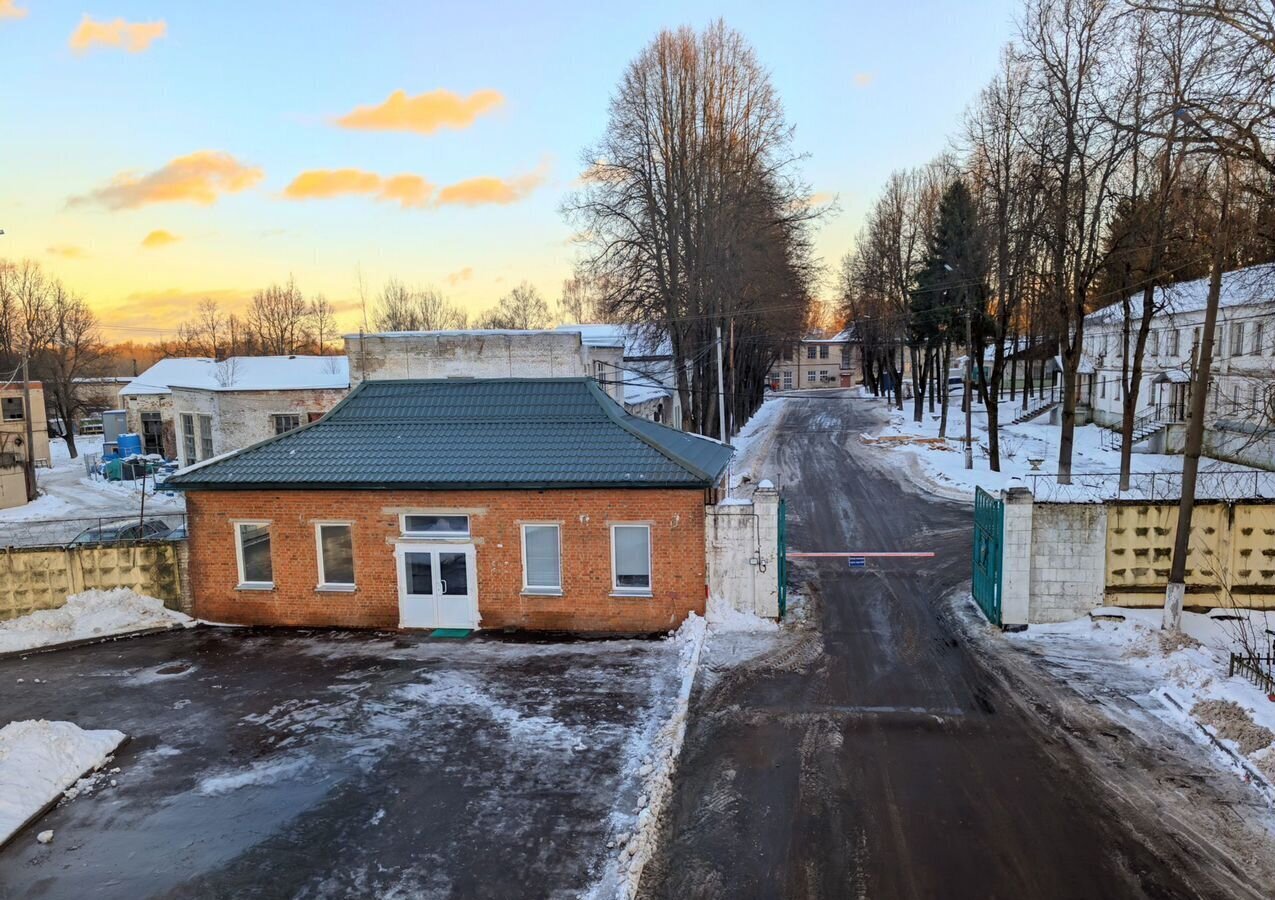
x=40, y=760
x=751, y=443
x=88, y=615
x=656, y=771
x=1191, y=669
x=722, y=617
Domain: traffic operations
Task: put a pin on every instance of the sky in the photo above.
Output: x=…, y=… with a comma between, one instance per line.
x=152, y=154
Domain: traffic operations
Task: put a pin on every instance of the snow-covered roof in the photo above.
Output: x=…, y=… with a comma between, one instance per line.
x=1172, y=376
x=639, y=388
x=456, y=332
x=635, y=341
x=242, y=373
x=1240, y=287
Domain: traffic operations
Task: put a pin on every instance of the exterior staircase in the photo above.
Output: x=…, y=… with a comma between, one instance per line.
x=1039, y=408
x=1144, y=427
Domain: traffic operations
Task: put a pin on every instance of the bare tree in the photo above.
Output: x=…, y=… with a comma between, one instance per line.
x=322, y=321
x=522, y=308
x=400, y=308
x=693, y=218
x=582, y=300
x=73, y=350
x=277, y=319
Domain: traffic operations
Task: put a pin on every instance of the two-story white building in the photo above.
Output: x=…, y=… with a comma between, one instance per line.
x=1240, y=410
x=817, y=362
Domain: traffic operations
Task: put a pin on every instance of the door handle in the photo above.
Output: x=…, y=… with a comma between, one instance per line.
x=443, y=582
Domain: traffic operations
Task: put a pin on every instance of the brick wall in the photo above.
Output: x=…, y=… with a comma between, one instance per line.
x=677, y=550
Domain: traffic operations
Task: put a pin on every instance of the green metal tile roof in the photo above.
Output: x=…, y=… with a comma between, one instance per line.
x=452, y=433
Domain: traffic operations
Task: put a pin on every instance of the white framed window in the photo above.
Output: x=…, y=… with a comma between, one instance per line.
x=823, y=351
x=1259, y=328
x=285, y=422
x=188, y=438
x=1174, y=342
x=434, y=525
x=811, y=376
x=1153, y=343
x=334, y=545
x=1237, y=339
x=541, y=558
x=205, y=437
x=14, y=411
x=631, y=559
x=252, y=554
x=811, y=351
x=787, y=379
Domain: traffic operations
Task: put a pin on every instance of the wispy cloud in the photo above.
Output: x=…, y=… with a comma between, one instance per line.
x=864, y=79
x=67, y=251
x=198, y=178
x=9, y=9
x=423, y=113
x=135, y=37
x=412, y=191
x=159, y=238
x=460, y=276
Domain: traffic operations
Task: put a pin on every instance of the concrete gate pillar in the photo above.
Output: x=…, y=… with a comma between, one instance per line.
x=1016, y=558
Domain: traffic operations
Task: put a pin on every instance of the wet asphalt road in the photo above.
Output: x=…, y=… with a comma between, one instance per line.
x=879, y=757
x=329, y=765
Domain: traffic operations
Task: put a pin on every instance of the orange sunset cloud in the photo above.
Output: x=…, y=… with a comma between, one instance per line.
x=67, y=251
x=198, y=178
x=481, y=191
x=424, y=113
x=411, y=191
x=135, y=37
x=465, y=274
x=9, y=9
x=159, y=238
x=406, y=190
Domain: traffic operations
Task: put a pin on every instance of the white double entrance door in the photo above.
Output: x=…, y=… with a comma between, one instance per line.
x=437, y=587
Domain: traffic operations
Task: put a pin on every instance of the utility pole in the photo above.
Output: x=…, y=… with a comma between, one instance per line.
x=721, y=391
x=29, y=465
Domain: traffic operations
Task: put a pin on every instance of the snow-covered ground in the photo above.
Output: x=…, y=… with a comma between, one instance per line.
x=67, y=492
x=1183, y=678
x=753, y=443
x=39, y=761
x=87, y=615
x=939, y=464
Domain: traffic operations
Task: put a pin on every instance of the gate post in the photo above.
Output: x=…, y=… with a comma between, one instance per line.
x=1016, y=559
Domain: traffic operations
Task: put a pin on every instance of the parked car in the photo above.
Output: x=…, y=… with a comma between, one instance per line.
x=149, y=530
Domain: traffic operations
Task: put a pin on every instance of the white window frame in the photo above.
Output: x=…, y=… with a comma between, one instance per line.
x=244, y=584
x=540, y=589
x=618, y=590
x=435, y=535
x=324, y=584
x=1237, y=339
x=188, y=437
x=811, y=377
x=203, y=421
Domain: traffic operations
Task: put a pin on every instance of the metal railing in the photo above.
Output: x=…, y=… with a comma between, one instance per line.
x=1146, y=424
x=112, y=530
x=1258, y=669
x=1211, y=484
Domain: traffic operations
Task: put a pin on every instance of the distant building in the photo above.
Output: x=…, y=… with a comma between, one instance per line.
x=192, y=409
x=14, y=449
x=648, y=374
x=482, y=353
x=817, y=362
x=1240, y=409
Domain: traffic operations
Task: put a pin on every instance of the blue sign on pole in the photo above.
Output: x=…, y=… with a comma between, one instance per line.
x=858, y=562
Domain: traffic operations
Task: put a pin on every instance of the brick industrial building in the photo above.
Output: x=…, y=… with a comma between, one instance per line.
x=495, y=503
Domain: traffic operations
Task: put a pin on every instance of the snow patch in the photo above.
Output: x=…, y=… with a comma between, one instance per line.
x=39, y=760
x=723, y=617
x=656, y=770
x=90, y=614
x=260, y=772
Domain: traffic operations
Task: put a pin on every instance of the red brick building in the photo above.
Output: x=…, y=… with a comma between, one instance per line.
x=510, y=503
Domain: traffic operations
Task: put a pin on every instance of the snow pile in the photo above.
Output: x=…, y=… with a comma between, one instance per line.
x=751, y=444
x=657, y=768
x=723, y=617
x=40, y=760
x=1191, y=669
x=88, y=615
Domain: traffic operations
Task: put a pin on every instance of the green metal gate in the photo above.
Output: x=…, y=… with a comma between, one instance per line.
x=989, y=534
x=783, y=557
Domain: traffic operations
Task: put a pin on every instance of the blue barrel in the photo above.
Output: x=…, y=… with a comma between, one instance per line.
x=130, y=444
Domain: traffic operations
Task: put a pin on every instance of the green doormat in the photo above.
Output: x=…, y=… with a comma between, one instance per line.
x=457, y=633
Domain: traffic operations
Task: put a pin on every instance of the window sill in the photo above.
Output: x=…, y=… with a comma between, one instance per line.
x=542, y=592
x=336, y=589
x=633, y=595
x=255, y=586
